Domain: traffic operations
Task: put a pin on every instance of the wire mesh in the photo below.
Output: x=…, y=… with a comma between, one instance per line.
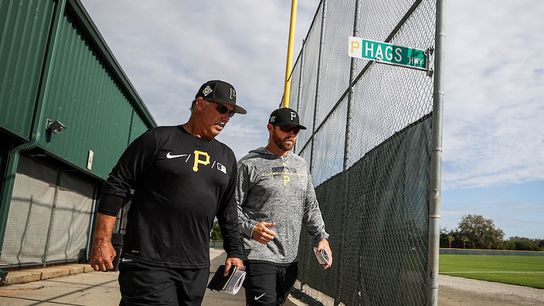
x=335, y=65
x=329, y=146
x=295, y=84
x=310, y=55
x=375, y=205
x=386, y=190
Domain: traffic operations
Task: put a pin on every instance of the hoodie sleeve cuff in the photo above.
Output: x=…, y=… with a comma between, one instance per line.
x=320, y=237
x=248, y=228
x=110, y=205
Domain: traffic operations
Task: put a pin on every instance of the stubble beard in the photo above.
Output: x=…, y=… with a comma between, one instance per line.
x=281, y=143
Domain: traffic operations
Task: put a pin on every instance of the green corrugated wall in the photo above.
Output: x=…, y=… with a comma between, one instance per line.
x=24, y=28
x=138, y=127
x=55, y=65
x=82, y=95
x=84, y=88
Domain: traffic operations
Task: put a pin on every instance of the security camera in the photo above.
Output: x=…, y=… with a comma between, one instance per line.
x=55, y=126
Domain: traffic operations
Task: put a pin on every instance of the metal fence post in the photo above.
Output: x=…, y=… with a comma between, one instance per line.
x=352, y=71
x=436, y=162
x=300, y=75
x=299, y=87
x=318, y=80
x=347, y=139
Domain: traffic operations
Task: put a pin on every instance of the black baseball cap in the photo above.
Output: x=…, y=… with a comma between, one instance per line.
x=220, y=92
x=285, y=116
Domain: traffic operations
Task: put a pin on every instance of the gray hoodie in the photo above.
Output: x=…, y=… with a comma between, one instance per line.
x=276, y=189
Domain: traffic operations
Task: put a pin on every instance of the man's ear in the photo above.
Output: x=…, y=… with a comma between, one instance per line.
x=269, y=127
x=200, y=103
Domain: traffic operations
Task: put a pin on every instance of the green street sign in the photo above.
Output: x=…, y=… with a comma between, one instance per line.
x=386, y=53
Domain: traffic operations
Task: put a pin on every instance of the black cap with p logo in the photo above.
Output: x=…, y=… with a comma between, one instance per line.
x=220, y=92
x=285, y=116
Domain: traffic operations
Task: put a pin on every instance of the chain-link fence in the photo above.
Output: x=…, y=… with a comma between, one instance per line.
x=369, y=148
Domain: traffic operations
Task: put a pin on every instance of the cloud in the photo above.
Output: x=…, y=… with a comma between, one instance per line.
x=493, y=61
x=493, y=104
x=493, y=79
x=169, y=48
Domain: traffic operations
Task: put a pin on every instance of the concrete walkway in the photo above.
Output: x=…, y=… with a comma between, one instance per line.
x=93, y=288
x=36, y=274
x=78, y=284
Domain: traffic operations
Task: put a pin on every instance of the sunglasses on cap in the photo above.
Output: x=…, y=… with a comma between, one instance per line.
x=289, y=128
x=222, y=109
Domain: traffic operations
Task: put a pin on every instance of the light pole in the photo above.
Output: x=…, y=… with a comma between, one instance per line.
x=287, y=87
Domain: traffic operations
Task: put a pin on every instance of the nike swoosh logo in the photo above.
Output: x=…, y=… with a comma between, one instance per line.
x=260, y=296
x=170, y=156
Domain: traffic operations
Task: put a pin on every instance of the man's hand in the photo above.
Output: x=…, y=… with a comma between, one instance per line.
x=102, y=255
x=324, y=245
x=233, y=261
x=262, y=232
x=103, y=252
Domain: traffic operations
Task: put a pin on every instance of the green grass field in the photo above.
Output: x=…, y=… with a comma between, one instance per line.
x=515, y=270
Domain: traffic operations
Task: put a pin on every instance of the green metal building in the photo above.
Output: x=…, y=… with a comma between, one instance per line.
x=67, y=112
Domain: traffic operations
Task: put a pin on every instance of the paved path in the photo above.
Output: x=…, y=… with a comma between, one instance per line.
x=92, y=288
x=463, y=291
x=101, y=288
x=458, y=291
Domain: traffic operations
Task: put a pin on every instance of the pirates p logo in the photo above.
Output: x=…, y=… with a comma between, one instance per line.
x=205, y=161
x=286, y=179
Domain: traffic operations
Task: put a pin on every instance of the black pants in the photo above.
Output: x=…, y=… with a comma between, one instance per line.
x=268, y=283
x=142, y=284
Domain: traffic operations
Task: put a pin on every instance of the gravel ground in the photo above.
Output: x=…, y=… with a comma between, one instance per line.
x=454, y=291
x=463, y=291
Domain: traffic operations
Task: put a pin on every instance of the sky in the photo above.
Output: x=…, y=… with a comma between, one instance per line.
x=493, y=140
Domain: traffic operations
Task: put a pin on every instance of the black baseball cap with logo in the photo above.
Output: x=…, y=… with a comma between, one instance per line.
x=220, y=92
x=285, y=116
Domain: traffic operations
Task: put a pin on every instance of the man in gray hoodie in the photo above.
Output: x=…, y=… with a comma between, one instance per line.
x=275, y=197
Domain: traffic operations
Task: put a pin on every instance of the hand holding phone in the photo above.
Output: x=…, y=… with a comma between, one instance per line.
x=322, y=256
